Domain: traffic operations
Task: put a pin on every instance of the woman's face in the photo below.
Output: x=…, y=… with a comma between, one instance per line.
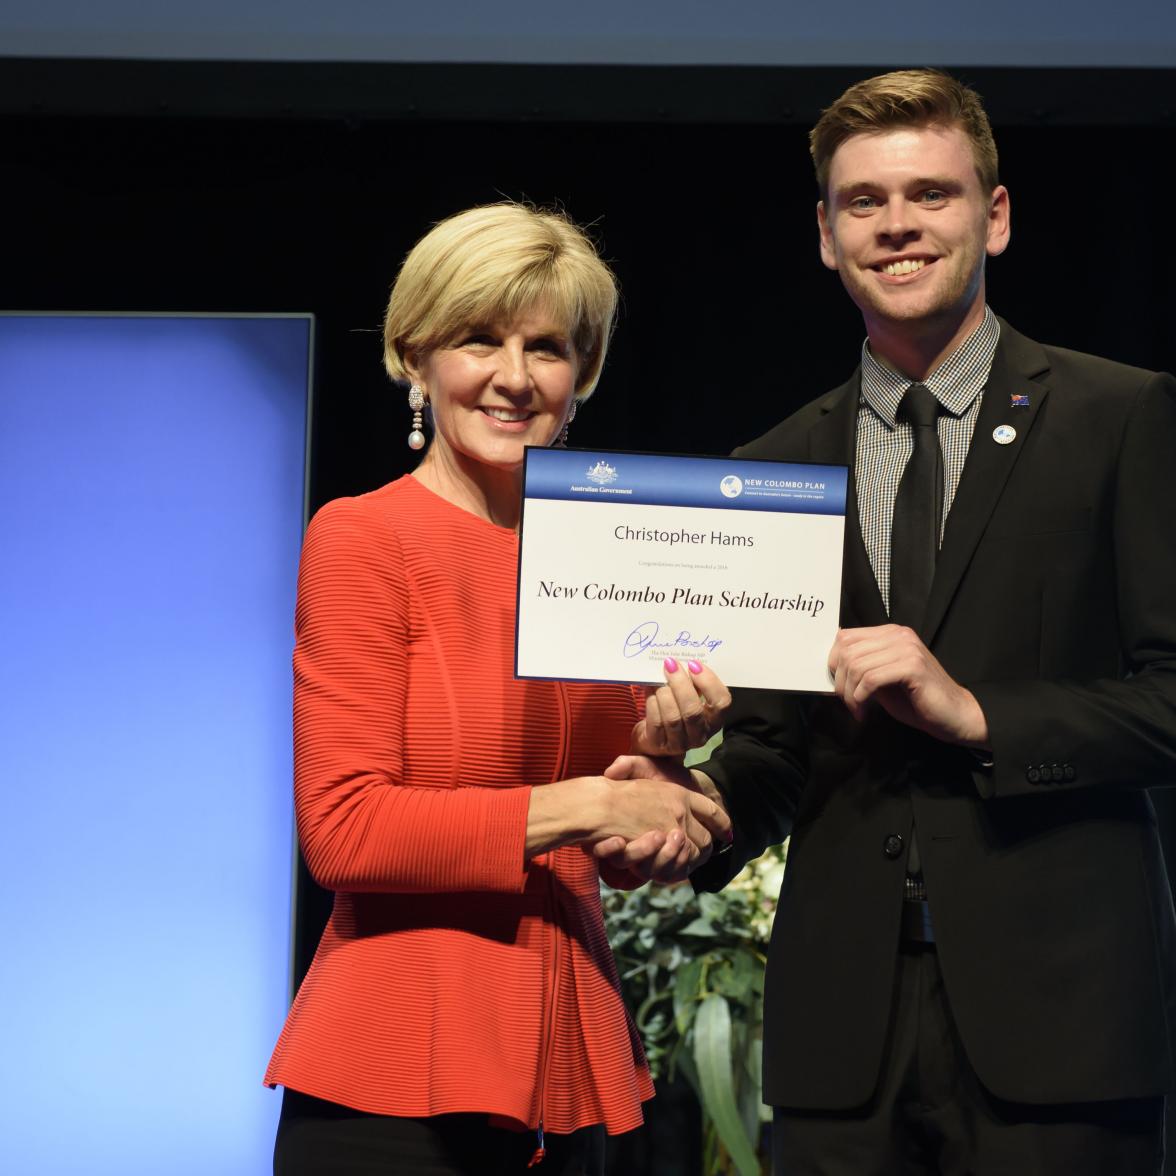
x=497, y=388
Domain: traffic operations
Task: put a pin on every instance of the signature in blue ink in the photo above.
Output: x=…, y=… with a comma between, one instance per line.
x=644, y=639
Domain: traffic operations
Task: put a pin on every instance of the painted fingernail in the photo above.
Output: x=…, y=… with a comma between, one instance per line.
x=671, y=665
x=694, y=667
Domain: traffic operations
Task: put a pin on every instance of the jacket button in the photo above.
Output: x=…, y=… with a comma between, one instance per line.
x=1069, y=772
x=1032, y=775
x=892, y=846
x=1058, y=774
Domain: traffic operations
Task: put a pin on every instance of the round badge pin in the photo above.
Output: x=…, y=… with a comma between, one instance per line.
x=1004, y=434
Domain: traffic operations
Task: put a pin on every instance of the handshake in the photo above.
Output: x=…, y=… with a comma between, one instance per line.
x=669, y=821
x=648, y=817
x=690, y=822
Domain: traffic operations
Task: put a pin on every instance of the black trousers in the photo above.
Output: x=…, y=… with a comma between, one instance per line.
x=317, y=1138
x=931, y=1116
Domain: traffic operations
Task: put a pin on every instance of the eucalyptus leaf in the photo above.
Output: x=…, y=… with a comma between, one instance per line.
x=756, y=1058
x=686, y=983
x=753, y=1058
x=737, y=979
x=712, y=1057
x=699, y=926
x=726, y=981
x=713, y=907
x=751, y=1106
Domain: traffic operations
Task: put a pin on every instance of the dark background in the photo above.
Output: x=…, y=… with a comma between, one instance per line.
x=230, y=187
x=142, y=186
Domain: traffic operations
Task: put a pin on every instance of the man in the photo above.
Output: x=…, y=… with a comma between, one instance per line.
x=973, y=967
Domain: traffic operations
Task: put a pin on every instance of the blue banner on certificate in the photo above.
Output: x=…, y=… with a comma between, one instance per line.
x=626, y=559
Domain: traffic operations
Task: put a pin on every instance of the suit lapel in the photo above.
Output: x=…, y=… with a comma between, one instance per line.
x=832, y=441
x=1017, y=369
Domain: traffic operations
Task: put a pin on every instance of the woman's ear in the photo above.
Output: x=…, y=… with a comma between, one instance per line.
x=412, y=366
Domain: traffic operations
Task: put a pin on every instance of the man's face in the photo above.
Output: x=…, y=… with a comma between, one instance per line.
x=908, y=227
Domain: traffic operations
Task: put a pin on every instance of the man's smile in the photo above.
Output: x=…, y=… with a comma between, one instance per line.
x=899, y=267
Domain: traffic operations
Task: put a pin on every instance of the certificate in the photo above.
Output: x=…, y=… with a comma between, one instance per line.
x=626, y=559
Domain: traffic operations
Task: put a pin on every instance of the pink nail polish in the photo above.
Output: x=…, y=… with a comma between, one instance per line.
x=694, y=667
x=671, y=665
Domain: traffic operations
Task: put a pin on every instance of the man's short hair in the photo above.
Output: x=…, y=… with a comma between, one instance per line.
x=904, y=98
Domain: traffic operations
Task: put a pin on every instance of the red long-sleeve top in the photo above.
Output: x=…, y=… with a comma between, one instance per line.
x=453, y=974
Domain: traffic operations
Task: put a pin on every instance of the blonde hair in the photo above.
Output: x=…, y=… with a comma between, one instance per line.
x=491, y=264
x=904, y=98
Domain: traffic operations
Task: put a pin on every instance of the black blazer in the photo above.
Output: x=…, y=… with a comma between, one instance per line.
x=1054, y=601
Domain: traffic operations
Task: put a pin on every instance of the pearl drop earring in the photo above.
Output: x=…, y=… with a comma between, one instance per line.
x=416, y=401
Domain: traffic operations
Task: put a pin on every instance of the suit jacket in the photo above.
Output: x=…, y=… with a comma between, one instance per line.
x=1054, y=601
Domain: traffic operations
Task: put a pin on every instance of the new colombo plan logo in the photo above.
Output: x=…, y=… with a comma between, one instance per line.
x=731, y=486
x=601, y=473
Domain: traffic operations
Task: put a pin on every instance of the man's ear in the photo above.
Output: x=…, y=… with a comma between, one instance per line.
x=1000, y=226
x=828, y=249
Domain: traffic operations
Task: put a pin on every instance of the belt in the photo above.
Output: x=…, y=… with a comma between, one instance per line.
x=916, y=922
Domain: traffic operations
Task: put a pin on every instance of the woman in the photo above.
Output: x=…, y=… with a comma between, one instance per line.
x=462, y=1013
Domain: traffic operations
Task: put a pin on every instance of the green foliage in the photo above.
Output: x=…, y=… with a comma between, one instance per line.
x=692, y=970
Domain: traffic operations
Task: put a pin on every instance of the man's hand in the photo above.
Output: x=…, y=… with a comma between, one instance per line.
x=890, y=665
x=656, y=856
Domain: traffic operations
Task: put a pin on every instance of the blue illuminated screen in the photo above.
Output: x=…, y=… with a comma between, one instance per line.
x=151, y=509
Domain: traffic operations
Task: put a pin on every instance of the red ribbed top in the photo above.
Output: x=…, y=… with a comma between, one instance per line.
x=452, y=976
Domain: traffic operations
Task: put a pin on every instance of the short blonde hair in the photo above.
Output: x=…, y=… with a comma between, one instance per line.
x=904, y=98
x=491, y=264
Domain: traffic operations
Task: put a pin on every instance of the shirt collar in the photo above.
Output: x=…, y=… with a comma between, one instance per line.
x=955, y=383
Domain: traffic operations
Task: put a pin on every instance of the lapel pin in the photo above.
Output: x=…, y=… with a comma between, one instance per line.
x=1004, y=434
x=1019, y=400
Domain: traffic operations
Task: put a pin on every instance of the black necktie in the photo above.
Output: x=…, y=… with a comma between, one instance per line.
x=914, y=537
x=918, y=509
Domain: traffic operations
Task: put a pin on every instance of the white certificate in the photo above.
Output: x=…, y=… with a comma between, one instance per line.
x=626, y=559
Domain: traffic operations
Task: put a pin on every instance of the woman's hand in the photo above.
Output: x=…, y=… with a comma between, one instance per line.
x=636, y=796
x=682, y=714
x=656, y=855
x=646, y=795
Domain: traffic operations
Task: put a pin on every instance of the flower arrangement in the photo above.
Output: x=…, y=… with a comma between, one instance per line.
x=692, y=970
